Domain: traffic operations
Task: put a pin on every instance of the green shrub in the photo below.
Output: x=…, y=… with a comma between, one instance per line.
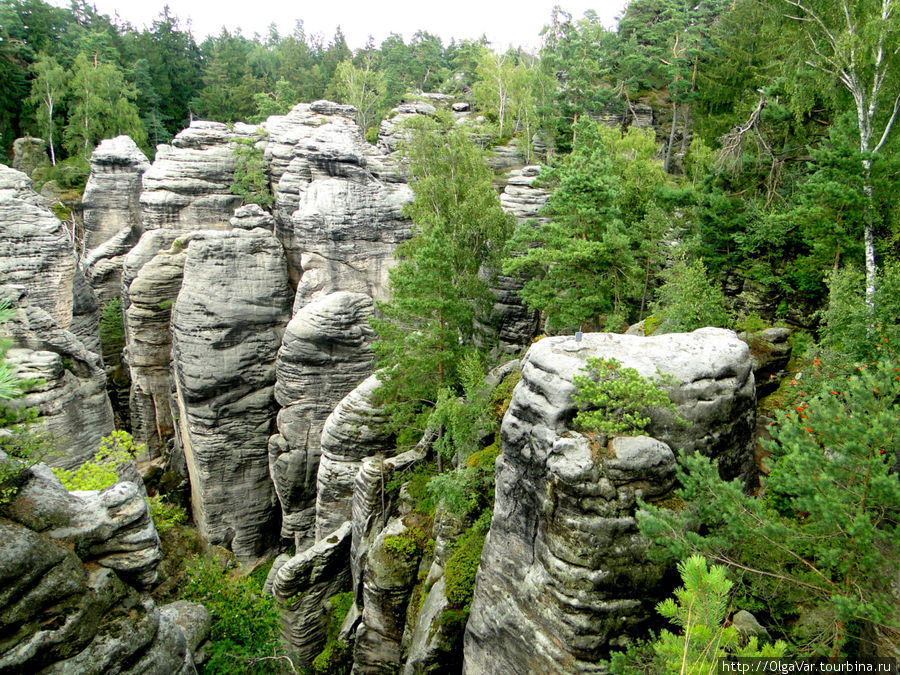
x=400, y=546
x=101, y=472
x=752, y=323
x=245, y=621
x=112, y=331
x=335, y=658
x=614, y=400
x=250, y=179
x=166, y=515
x=688, y=300
x=461, y=567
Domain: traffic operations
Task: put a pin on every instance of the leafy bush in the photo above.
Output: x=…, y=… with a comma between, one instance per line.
x=461, y=567
x=102, y=470
x=166, y=516
x=335, y=658
x=614, y=400
x=245, y=622
x=250, y=179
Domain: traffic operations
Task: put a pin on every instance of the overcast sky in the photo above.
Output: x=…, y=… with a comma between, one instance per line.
x=505, y=22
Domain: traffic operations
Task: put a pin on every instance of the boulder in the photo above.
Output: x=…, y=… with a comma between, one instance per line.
x=564, y=575
x=28, y=154
x=227, y=324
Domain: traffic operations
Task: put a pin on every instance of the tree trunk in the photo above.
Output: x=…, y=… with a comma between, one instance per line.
x=671, y=138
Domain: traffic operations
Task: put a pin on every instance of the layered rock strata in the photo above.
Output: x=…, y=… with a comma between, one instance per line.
x=67, y=383
x=189, y=184
x=227, y=324
x=65, y=601
x=356, y=429
x=564, y=576
x=303, y=584
x=35, y=251
x=324, y=355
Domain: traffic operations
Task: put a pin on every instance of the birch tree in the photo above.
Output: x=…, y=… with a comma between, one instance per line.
x=47, y=90
x=857, y=44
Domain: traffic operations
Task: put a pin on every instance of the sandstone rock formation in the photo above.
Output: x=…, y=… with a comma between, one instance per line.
x=65, y=602
x=152, y=275
x=68, y=385
x=85, y=313
x=189, y=184
x=227, y=324
x=112, y=212
x=324, y=355
x=563, y=575
x=35, y=251
x=28, y=154
x=301, y=586
x=356, y=429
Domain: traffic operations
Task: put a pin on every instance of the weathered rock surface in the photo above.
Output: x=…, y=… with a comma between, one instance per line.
x=112, y=212
x=324, y=355
x=391, y=133
x=227, y=324
x=356, y=429
x=17, y=185
x=387, y=583
x=61, y=612
x=250, y=217
x=189, y=183
x=563, y=575
x=302, y=584
x=505, y=156
x=36, y=254
x=511, y=325
x=152, y=276
x=69, y=390
x=770, y=351
x=112, y=194
x=28, y=154
x=429, y=649
x=85, y=313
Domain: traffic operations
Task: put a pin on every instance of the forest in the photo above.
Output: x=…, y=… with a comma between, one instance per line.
x=727, y=163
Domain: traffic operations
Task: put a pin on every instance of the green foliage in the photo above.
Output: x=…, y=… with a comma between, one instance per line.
x=400, y=546
x=592, y=263
x=429, y=324
x=102, y=470
x=821, y=539
x=615, y=400
x=278, y=102
x=854, y=332
x=335, y=658
x=459, y=574
x=688, y=300
x=166, y=516
x=112, y=330
x=250, y=179
x=699, y=609
x=24, y=447
x=245, y=622
x=364, y=88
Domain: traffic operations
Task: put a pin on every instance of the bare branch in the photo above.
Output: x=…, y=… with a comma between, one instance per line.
x=887, y=127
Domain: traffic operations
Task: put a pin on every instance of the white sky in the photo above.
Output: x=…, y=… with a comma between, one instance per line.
x=505, y=22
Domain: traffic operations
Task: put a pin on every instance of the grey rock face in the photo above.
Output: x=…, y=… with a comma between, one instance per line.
x=189, y=184
x=391, y=133
x=70, y=392
x=36, y=254
x=429, y=651
x=770, y=351
x=388, y=580
x=227, y=325
x=152, y=277
x=356, y=429
x=85, y=313
x=511, y=325
x=324, y=355
x=28, y=154
x=563, y=557
x=15, y=184
x=59, y=610
x=112, y=212
x=111, y=527
x=112, y=194
x=302, y=585
x=250, y=217
x=505, y=156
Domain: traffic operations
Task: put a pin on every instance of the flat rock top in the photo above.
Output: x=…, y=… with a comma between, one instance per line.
x=707, y=353
x=120, y=150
